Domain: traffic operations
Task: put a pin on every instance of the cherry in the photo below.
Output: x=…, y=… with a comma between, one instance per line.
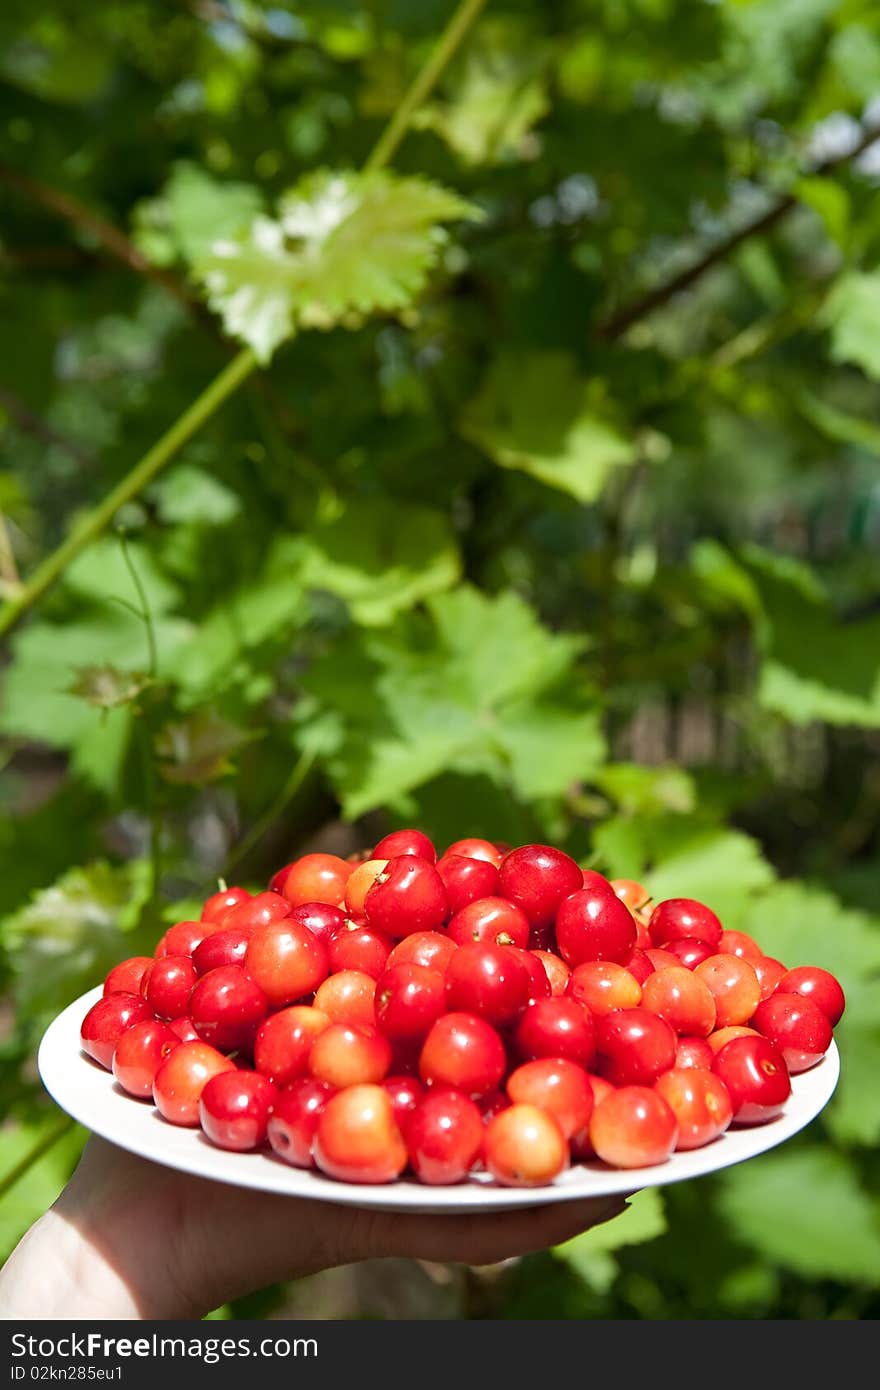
x=490, y=919
x=636, y=897
x=431, y=948
x=489, y=981
x=464, y=1052
x=682, y=998
x=555, y=969
x=169, y=984
x=234, y=1109
x=593, y=924
x=580, y=1144
x=690, y=952
x=558, y=1086
x=322, y=919
x=405, y=842
x=467, y=880
x=722, y=1036
x=294, y=1120
x=492, y=1104
x=316, y=878
x=679, y=919
x=756, y=1077
x=180, y=1080
x=227, y=1007
x=661, y=959
x=183, y=1030
x=537, y=878
x=259, y=911
x=218, y=904
x=139, y=1053
x=361, y=881
x=284, y=1040
x=693, y=1052
x=405, y=1093
x=810, y=982
x=476, y=849
x=739, y=943
x=796, y=1026
x=770, y=973
x=183, y=938
x=524, y=1147
x=286, y=960
x=359, y=947
x=348, y=997
x=407, y=897
x=127, y=977
x=633, y=1128
x=539, y=980
x=350, y=1054
x=106, y=1021
x=734, y=985
x=357, y=1138
x=603, y=986
x=700, y=1102
x=444, y=1135
x=409, y=999
x=634, y=1047
x=556, y=1028
x=639, y=965
x=228, y=946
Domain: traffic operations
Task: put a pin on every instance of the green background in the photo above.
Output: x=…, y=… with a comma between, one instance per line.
x=553, y=513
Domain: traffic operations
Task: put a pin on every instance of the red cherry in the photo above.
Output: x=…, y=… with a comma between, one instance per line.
x=700, y=1102
x=322, y=920
x=467, y=880
x=127, y=977
x=348, y=998
x=401, y=842
x=362, y=878
x=168, y=986
x=183, y=1030
x=464, y=1052
x=556, y=970
x=180, y=1080
x=183, y=938
x=444, y=1135
x=722, y=1036
x=227, y=946
x=557, y=1086
x=357, y=1139
x=581, y=1145
x=603, y=986
x=524, y=1147
x=286, y=960
x=756, y=1077
x=661, y=959
x=431, y=948
x=682, y=998
x=284, y=1040
x=690, y=952
x=316, y=878
x=259, y=911
x=770, y=973
x=693, y=1052
x=639, y=965
x=537, y=878
x=489, y=981
x=636, y=897
x=405, y=1093
x=593, y=924
x=234, y=1109
x=733, y=984
x=796, y=1026
x=539, y=980
x=556, y=1028
x=679, y=919
x=140, y=1052
x=490, y=919
x=476, y=849
x=107, y=1020
x=408, y=1001
x=227, y=1007
x=408, y=897
x=813, y=983
x=634, y=1047
x=220, y=903
x=294, y=1120
x=739, y=943
x=633, y=1128
x=350, y=1054
x=359, y=947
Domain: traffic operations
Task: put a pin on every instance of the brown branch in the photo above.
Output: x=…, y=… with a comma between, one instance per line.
x=30, y=423
x=617, y=323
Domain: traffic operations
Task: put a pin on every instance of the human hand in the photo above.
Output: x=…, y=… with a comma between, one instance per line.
x=130, y=1239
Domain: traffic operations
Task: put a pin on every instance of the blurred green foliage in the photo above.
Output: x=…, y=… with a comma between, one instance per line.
x=555, y=513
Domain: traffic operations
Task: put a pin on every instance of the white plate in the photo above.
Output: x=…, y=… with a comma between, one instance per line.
x=91, y=1096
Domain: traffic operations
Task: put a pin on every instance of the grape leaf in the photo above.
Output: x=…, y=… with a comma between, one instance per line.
x=852, y=314
x=535, y=414
x=200, y=209
x=591, y=1254
x=343, y=244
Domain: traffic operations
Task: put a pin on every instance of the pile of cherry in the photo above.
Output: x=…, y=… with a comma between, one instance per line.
x=494, y=1008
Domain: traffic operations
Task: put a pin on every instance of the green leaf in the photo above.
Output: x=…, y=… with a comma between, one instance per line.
x=852, y=313
x=380, y=559
x=101, y=573
x=343, y=245
x=474, y=687
x=804, y=1210
x=106, y=687
x=37, y=1189
x=535, y=414
x=591, y=1254
x=199, y=748
x=188, y=494
x=831, y=201
x=839, y=425
x=646, y=790
x=201, y=209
